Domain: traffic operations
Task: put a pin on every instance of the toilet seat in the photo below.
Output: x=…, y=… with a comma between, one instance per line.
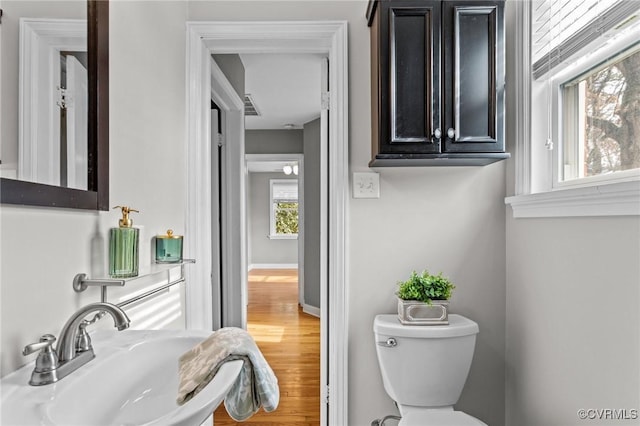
x=439, y=418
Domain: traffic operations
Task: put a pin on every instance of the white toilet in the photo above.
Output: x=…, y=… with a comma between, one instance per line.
x=424, y=368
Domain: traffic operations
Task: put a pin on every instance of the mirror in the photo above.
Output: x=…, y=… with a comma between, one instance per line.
x=75, y=173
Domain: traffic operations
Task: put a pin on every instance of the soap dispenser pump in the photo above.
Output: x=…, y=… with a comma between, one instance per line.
x=123, y=246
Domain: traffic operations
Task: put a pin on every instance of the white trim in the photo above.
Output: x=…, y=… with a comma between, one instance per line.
x=284, y=236
x=619, y=199
x=273, y=266
x=234, y=174
x=198, y=294
x=260, y=37
x=41, y=41
x=522, y=79
x=338, y=284
x=311, y=310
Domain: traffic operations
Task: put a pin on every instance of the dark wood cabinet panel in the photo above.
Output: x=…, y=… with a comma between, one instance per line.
x=406, y=87
x=437, y=82
x=474, y=76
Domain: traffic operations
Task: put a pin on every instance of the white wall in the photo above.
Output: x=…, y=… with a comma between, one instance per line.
x=264, y=250
x=42, y=248
x=444, y=219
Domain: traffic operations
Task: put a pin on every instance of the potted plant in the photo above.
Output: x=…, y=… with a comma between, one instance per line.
x=423, y=299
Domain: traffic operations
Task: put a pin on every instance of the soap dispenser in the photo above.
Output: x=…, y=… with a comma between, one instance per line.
x=123, y=246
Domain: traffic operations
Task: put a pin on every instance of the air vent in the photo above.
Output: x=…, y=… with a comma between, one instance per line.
x=250, y=107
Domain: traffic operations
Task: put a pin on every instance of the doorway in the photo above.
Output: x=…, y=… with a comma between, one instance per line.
x=325, y=37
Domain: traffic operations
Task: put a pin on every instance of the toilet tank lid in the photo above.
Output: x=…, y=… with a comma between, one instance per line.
x=388, y=324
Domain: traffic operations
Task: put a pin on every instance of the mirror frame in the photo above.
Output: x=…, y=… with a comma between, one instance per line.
x=97, y=196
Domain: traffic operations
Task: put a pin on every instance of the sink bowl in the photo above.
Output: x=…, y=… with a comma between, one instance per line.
x=132, y=381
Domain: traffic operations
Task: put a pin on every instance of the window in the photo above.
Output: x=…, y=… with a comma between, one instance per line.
x=284, y=208
x=600, y=112
x=578, y=132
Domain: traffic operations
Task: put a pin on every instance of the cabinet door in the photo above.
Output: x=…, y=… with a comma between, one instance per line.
x=410, y=76
x=473, y=33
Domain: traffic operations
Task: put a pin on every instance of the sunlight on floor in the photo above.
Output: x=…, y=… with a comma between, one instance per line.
x=266, y=333
x=253, y=278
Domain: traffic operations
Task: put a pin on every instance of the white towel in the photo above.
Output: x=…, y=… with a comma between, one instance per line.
x=255, y=386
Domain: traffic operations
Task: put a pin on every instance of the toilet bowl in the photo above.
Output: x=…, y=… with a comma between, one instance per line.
x=424, y=368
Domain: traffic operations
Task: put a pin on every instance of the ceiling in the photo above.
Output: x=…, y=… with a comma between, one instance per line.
x=285, y=88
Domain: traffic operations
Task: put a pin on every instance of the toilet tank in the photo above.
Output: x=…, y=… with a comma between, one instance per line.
x=423, y=365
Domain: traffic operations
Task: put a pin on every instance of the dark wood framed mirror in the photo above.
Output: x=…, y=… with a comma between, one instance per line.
x=13, y=191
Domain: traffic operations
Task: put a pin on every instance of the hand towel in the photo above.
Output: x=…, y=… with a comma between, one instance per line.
x=255, y=386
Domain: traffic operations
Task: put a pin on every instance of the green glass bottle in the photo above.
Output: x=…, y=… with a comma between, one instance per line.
x=123, y=247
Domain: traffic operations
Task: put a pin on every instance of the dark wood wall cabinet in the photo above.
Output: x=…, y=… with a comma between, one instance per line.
x=437, y=82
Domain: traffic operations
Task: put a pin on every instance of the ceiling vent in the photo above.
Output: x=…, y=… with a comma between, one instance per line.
x=249, y=107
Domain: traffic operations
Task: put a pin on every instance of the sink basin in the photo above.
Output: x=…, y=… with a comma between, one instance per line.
x=132, y=381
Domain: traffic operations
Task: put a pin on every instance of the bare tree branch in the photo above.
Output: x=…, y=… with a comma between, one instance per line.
x=609, y=128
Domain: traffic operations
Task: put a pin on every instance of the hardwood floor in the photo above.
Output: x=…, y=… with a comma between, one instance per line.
x=290, y=341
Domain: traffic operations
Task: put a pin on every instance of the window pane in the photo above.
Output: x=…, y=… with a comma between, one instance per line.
x=601, y=119
x=286, y=218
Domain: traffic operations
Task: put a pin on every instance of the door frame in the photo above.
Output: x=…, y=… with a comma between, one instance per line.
x=232, y=206
x=279, y=158
x=328, y=37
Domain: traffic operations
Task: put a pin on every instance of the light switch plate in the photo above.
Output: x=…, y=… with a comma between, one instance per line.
x=366, y=185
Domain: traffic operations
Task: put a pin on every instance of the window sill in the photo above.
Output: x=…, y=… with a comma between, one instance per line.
x=616, y=199
x=283, y=237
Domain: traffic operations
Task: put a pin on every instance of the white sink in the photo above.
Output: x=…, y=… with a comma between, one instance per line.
x=132, y=381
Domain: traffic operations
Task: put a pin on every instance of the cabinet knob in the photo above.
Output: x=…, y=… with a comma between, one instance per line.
x=451, y=133
x=437, y=133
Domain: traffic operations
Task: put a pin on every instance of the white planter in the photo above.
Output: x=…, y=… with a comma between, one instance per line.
x=413, y=312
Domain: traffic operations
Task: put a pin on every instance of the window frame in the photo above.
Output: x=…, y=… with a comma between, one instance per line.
x=563, y=77
x=272, y=211
x=536, y=168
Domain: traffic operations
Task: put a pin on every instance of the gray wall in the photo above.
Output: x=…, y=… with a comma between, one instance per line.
x=573, y=321
x=232, y=67
x=312, y=213
x=262, y=249
x=573, y=310
x=273, y=141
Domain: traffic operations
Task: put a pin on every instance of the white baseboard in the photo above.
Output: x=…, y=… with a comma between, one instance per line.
x=273, y=266
x=311, y=310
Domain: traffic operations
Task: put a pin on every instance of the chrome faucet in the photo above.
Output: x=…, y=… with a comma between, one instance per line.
x=74, y=348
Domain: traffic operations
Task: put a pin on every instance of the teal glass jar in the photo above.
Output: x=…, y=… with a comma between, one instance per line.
x=169, y=248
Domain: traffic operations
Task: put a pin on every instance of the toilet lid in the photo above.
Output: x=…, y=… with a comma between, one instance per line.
x=439, y=418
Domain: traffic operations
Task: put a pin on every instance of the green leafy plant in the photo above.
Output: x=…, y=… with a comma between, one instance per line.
x=286, y=218
x=425, y=287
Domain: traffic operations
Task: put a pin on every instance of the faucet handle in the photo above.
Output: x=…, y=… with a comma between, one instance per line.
x=46, y=341
x=47, y=360
x=83, y=340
